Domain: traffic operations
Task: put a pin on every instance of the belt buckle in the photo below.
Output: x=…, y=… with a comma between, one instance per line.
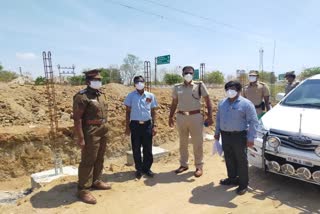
x=187, y=113
x=141, y=122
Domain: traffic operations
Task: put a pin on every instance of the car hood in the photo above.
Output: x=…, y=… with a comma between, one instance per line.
x=287, y=118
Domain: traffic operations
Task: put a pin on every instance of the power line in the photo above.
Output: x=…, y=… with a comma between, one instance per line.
x=210, y=29
x=204, y=18
x=158, y=15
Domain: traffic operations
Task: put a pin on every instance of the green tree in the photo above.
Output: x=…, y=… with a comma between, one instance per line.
x=110, y=75
x=40, y=81
x=214, y=77
x=171, y=79
x=268, y=77
x=308, y=72
x=76, y=80
x=130, y=67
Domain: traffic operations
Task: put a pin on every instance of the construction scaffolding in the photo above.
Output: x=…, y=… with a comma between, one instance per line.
x=52, y=107
x=147, y=75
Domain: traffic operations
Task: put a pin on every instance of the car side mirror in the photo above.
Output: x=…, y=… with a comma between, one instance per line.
x=280, y=96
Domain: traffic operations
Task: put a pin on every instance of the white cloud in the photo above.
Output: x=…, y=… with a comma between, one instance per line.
x=26, y=56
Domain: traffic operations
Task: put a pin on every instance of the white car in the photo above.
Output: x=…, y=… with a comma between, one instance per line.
x=288, y=140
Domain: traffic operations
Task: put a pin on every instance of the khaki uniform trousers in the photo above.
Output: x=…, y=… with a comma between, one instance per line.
x=192, y=124
x=92, y=158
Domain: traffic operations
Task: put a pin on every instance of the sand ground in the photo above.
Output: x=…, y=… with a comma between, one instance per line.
x=171, y=193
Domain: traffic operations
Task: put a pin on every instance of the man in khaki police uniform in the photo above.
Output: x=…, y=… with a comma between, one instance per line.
x=290, y=77
x=258, y=93
x=186, y=98
x=90, y=114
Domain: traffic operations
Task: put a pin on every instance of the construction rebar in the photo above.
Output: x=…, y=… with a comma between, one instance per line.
x=52, y=107
x=147, y=75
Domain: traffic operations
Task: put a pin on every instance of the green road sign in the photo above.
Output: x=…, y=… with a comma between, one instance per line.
x=281, y=76
x=196, y=74
x=163, y=60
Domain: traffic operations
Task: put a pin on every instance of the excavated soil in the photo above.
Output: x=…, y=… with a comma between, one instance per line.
x=25, y=147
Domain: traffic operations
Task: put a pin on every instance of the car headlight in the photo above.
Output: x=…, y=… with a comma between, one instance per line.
x=317, y=151
x=273, y=141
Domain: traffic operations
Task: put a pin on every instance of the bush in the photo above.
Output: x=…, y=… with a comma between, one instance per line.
x=171, y=79
x=77, y=80
x=40, y=81
x=214, y=77
x=309, y=72
x=110, y=75
x=7, y=76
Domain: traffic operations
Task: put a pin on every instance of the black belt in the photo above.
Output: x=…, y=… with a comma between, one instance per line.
x=95, y=122
x=141, y=122
x=234, y=132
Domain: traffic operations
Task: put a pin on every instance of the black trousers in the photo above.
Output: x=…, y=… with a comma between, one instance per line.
x=141, y=135
x=234, y=146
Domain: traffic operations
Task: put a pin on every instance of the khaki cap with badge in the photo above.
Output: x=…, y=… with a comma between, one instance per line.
x=93, y=74
x=253, y=73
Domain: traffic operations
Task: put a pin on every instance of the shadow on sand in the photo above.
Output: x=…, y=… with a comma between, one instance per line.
x=57, y=196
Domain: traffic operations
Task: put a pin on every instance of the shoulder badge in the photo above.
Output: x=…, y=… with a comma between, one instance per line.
x=83, y=91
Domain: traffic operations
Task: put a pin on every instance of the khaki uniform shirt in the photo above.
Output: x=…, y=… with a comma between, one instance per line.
x=291, y=86
x=188, y=95
x=89, y=104
x=255, y=93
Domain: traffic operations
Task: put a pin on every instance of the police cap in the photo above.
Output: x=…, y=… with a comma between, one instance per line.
x=93, y=74
x=290, y=74
x=253, y=73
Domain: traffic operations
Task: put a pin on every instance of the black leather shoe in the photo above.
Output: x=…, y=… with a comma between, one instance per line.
x=241, y=190
x=149, y=173
x=138, y=175
x=229, y=181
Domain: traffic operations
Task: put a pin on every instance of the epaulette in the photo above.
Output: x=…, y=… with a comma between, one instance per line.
x=262, y=83
x=83, y=91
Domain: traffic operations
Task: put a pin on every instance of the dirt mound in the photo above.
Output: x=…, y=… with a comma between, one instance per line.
x=24, y=126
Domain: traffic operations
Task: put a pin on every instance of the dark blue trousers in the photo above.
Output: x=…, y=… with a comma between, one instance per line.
x=141, y=135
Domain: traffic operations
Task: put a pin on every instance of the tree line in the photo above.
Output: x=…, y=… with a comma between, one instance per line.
x=133, y=66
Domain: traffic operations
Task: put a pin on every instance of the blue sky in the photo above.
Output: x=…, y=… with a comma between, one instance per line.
x=226, y=35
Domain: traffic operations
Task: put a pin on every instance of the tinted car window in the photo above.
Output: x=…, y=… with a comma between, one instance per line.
x=306, y=95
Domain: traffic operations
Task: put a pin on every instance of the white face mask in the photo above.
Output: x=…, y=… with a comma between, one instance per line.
x=95, y=84
x=252, y=78
x=139, y=85
x=188, y=77
x=232, y=93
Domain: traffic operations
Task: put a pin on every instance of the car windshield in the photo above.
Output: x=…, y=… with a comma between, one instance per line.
x=306, y=95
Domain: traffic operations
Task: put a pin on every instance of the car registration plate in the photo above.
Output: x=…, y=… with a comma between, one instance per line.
x=302, y=162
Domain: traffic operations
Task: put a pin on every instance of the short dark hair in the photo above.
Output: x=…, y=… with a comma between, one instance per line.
x=233, y=83
x=187, y=68
x=136, y=78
